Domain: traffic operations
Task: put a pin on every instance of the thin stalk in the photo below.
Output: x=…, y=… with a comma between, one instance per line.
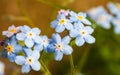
x=72, y=65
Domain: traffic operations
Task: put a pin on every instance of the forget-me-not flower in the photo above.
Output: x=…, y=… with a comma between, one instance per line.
x=29, y=36
x=82, y=35
x=11, y=31
x=80, y=17
x=61, y=23
x=43, y=44
x=11, y=48
x=116, y=23
x=100, y=15
x=59, y=46
x=30, y=61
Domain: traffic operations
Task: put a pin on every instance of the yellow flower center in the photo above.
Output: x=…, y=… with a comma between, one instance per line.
x=80, y=17
x=9, y=48
x=29, y=60
x=118, y=5
x=62, y=21
x=12, y=30
x=30, y=34
x=59, y=46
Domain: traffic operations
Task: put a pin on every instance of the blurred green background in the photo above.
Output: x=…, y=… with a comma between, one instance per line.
x=101, y=58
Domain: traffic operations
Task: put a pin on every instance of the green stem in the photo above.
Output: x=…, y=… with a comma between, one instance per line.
x=83, y=60
x=72, y=65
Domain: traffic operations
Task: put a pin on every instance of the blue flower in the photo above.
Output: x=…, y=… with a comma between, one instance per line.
x=100, y=15
x=80, y=17
x=43, y=44
x=116, y=23
x=29, y=36
x=61, y=23
x=30, y=61
x=114, y=8
x=11, y=48
x=82, y=35
x=59, y=46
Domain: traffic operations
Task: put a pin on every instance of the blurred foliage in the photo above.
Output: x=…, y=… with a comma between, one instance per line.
x=101, y=58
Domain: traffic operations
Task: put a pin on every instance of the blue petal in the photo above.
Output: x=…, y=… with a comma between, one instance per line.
x=82, y=14
x=89, y=39
x=56, y=38
x=74, y=33
x=36, y=30
x=20, y=60
x=27, y=51
x=79, y=41
x=78, y=25
x=20, y=36
x=35, y=55
x=60, y=28
x=25, y=29
x=26, y=68
x=85, y=21
x=67, y=49
x=54, y=24
x=38, y=47
x=50, y=48
x=58, y=55
x=36, y=66
x=89, y=29
x=38, y=39
x=29, y=42
x=69, y=26
x=17, y=48
x=11, y=57
x=117, y=30
x=66, y=40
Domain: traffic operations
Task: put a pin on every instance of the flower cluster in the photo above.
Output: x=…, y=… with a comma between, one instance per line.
x=105, y=19
x=23, y=44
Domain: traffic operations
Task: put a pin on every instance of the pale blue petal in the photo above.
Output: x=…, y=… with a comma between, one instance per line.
x=36, y=66
x=26, y=68
x=79, y=41
x=38, y=47
x=17, y=48
x=20, y=60
x=27, y=51
x=89, y=39
x=82, y=14
x=35, y=55
x=117, y=30
x=25, y=29
x=74, y=33
x=54, y=24
x=29, y=42
x=37, y=39
x=66, y=40
x=69, y=26
x=78, y=25
x=56, y=38
x=60, y=28
x=20, y=36
x=67, y=49
x=89, y=29
x=85, y=21
x=58, y=55
x=36, y=30
x=11, y=57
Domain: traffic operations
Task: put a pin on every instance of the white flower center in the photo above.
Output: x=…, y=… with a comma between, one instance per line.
x=59, y=46
x=45, y=41
x=62, y=21
x=83, y=32
x=30, y=34
x=29, y=60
